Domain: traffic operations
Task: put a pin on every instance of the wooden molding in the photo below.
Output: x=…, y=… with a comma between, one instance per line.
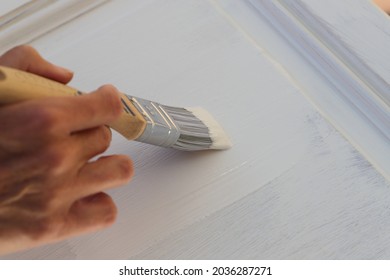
x=39, y=17
x=340, y=49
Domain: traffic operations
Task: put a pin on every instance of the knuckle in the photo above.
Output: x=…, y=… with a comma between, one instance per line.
x=44, y=120
x=45, y=228
x=43, y=207
x=55, y=158
x=44, y=204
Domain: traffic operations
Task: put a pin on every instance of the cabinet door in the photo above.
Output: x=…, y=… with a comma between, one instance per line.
x=291, y=187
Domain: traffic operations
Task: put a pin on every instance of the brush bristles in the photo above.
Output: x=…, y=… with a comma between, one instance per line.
x=198, y=129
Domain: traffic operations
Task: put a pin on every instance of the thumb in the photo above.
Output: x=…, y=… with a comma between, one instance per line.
x=26, y=58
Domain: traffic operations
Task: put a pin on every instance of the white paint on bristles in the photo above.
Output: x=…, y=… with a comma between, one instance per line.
x=220, y=139
x=292, y=186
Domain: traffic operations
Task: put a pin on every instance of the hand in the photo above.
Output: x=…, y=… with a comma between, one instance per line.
x=384, y=5
x=49, y=187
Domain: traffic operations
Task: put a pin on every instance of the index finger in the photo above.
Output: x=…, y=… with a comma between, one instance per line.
x=77, y=113
x=59, y=116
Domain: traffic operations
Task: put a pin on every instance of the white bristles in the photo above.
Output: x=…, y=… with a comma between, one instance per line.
x=220, y=140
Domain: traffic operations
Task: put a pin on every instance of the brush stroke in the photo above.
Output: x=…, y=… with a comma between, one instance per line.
x=291, y=187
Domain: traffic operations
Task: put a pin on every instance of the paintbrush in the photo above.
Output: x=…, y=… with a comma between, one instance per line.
x=188, y=129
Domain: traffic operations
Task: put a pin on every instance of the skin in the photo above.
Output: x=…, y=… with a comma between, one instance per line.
x=50, y=189
x=384, y=5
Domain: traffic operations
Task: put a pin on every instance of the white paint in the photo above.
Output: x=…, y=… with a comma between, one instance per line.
x=357, y=106
x=219, y=137
x=34, y=19
x=291, y=187
x=10, y=5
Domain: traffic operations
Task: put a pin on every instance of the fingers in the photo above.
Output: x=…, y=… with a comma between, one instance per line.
x=384, y=5
x=102, y=174
x=90, y=214
x=92, y=142
x=59, y=116
x=68, y=115
x=58, y=134
x=47, y=181
x=102, y=106
x=91, y=208
x=55, y=158
x=28, y=59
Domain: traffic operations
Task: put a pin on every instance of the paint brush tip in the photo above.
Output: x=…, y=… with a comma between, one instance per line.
x=220, y=140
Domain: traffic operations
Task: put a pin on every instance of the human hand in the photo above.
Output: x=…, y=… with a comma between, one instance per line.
x=49, y=187
x=384, y=5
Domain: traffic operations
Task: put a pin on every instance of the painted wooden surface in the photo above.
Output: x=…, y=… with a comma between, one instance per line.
x=322, y=55
x=24, y=21
x=291, y=186
x=8, y=6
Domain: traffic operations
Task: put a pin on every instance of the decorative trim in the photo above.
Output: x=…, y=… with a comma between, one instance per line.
x=39, y=17
x=350, y=92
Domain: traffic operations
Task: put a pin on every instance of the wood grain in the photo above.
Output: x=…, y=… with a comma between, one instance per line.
x=291, y=186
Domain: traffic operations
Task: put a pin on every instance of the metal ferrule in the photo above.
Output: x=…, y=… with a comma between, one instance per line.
x=160, y=129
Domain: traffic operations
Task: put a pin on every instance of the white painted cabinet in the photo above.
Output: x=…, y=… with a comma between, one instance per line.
x=283, y=87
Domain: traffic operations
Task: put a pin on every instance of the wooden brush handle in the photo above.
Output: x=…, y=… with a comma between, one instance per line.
x=16, y=86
